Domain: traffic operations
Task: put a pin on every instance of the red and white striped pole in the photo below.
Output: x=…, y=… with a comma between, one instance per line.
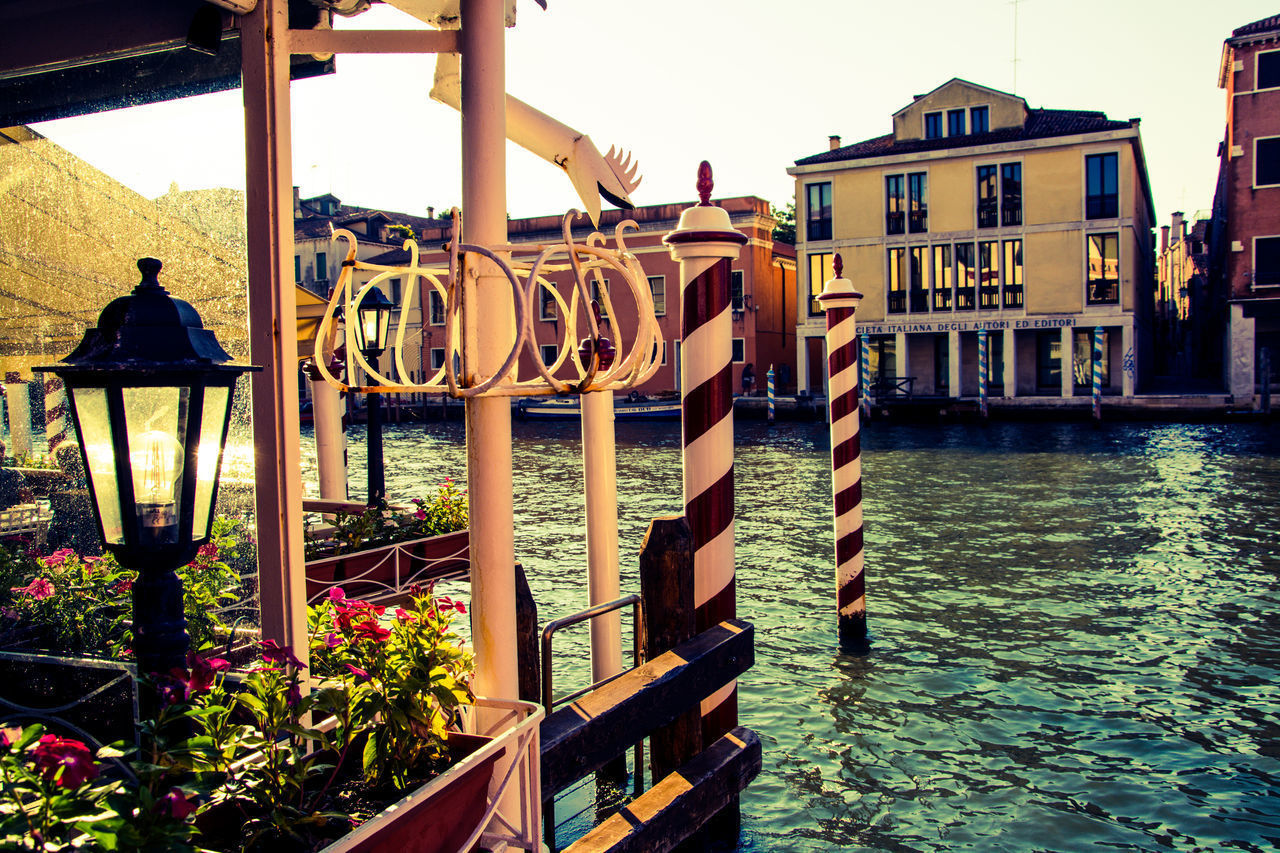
x=705, y=244
x=840, y=301
x=15, y=393
x=56, y=412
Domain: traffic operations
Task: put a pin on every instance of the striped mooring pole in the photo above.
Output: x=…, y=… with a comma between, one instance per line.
x=984, y=370
x=840, y=301
x=15, y=394
x=1097, y=373
x=705, y=244
x=864, y=381
x=55, y=412
x=768, y=384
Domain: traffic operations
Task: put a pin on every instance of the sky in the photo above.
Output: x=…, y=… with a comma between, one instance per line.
x=749, y=85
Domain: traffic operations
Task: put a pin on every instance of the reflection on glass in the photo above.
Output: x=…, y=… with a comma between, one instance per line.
x=95, y=434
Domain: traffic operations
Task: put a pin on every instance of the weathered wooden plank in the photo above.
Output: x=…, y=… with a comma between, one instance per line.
x=673, y=810
x=666, y=589
x=528, y=660
x=584, y=735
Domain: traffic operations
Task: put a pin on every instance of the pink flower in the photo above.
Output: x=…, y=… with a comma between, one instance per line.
x=336, y=595
x=39, y=589
x=447, y=603
x=175, y=804
x=203, y=673
x=208, y=550
x=357, y=672
x=419, y=514
x=272, y=653
x=53, y=754
x=332, y=640
x=403, y=615
x=58, y=557
x=9, y=735
x=371, y=630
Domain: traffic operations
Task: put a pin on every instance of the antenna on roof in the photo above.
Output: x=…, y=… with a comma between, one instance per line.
x=1015, y=4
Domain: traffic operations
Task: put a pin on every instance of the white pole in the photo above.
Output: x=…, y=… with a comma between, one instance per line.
x=326, y=416
x=487, y=300
x=600, y=473
x=15, y=391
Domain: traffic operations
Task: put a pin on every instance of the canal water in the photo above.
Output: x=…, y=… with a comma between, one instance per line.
x=1075, y=640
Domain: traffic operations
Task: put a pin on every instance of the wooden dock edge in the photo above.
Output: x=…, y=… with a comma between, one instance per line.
x=673, y=810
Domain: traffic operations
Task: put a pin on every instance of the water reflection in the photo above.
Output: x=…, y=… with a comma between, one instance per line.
x=1074, y=640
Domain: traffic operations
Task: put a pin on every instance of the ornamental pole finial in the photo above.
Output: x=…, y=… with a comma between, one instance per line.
x=705, y=184
x=838, y=264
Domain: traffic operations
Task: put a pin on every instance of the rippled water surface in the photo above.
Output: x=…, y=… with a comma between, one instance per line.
x=1075, y=639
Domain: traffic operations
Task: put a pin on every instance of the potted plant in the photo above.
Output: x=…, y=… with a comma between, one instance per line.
x=383, y=551
x=233, y=765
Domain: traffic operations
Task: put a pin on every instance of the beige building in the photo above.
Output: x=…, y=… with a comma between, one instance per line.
x=979, y=211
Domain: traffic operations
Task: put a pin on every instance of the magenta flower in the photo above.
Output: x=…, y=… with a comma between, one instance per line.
x=273, y=653
x=403, y=615
x=53, y=754
x=332, y=640
x=39, y=589
x=294, y=695
x=208, y=550
x=419, y=514
x=58, y=557
x=371, y=630
x=175, y=805
x=447, y=603
x=336, y=595
x=357, y=672
x=202, y=674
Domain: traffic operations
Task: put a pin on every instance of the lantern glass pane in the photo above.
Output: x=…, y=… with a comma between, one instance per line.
x=208, y=455
x=95, y=434
x=156, y=426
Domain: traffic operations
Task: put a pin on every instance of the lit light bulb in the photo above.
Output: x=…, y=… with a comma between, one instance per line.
x=157, y=462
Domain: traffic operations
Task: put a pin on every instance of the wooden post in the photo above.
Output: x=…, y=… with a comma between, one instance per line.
x=1264, y=365
x=527, y=652
x=666, y=593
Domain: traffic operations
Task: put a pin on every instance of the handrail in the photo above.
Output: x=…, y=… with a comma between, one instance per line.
x=637, y=655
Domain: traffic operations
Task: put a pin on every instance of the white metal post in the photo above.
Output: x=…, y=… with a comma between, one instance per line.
x=600, y=474
x=15, y=391
x=326, y=418
x=487, y=299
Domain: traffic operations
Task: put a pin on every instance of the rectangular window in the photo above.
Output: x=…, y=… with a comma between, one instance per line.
x=547, y=307
x=1268, y=70
x=932, y=125
x=1049, y=361
x=736, y=298
x=549, y=353
x=1266, y=162
x=995, y=360
x=918, y=190
x=966, y=277
x=881, y=357
x=818, y=218
x=437, y=358
x=1266, y=261
x=1011, y=194
x=739, y=350
x=988, y=276
x=942, y=278
x=941, y=362
x=395, y=291
x=1082, y=358
x=1011, y=287
x=1102, y=187
x=919, y=290
x=297, y=268
x=660, y=355
x=1104, y=269
x=987, y=202
x=437, y=307
x=322, y=266
x=979, y=121
x=894, y=206
x=658, y=287
x=820, y=272
x=897, y=281
x=955, y=122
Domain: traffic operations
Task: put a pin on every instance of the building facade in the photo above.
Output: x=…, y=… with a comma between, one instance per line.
x=1245, y=241
x=1187, y=328
x=979, y=212
x=762, y=284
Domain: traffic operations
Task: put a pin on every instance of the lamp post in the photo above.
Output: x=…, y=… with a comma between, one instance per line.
x=373, y=321
x=150, y=391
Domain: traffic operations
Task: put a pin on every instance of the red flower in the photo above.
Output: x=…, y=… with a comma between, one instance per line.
x=39, y=589
x=447, y=603
x=58, y=557
x=357, y=672
x=272, y=653
x=336, y=595
x=208, y=550
x=419, y=514
x=53, y=754
x=175, y=804
x=404, y=616
x=203, y=673
x=371, y=630
x=122, y=586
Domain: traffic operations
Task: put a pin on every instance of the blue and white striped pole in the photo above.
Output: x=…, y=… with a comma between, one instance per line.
x=984, y=370
x=1097, y=373
x=768, y=384
x=864, y=375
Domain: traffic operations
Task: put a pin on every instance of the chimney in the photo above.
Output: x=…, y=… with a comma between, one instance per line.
x=1179, y=227
x=834, y=142
x=1164, y=239
x=431, y=213
x=297, y=204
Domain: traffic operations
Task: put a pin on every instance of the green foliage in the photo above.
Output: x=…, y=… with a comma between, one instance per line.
x=785, y=229
x=42, y=462
x=446, y=512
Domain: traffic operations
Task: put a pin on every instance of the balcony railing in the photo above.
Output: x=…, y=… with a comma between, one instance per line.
x=1013, y=296
x=897, y=302
x=987, y=214
x=1101, y=207
x=941, y=299
x=919, y=300
x=1104, y=292
x=989, y=296
x=894, y=222
x=1011, y=214
x=964, y=298
x=919, y=221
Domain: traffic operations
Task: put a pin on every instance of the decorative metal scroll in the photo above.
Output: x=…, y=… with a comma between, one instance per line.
x=527, y=272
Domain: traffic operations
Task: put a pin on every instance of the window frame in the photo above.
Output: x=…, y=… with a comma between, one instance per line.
x=432, y=355
x=917, y=278
x=542, y=353
x=738, y=285
x=818, y=228
x=942, y=296
x=895, y=221
x=739, y=350
x=1089, y=280
x=1010, y=203
x=987, y=209
x=938, y=117
x=918, y=202
x=895, y=297
x=1085, y=333
x=1253, y=282
x=659, y=308
x=815, y=287
x=965, y=292
x=985, y=111
x=548, y=309
x=988, y=270
x=1106, y=211
x=1274, y=143
x=1012, y=293
x=960, y=113
x=599, y=289
x=1257, y=70
x=433, y=299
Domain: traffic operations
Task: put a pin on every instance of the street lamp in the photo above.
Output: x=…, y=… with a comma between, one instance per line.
x=150, y=391
x=373, y=320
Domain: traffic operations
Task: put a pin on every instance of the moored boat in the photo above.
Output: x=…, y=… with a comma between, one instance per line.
x=637, y=408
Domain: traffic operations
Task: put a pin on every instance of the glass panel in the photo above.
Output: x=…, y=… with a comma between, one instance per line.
x=932, y=125
x=1011, y=194
x=995, y=360
x=1266, y=261
x=209, y=455
x=918, y=186
x=942, y=278
x=820, y=272
x=987, y=197
x=1104, y=269
x=895, y=210
x=989, y=282
x=1267, y=172
x=1049, y=361
x=1012, y=264
x=942, y=362
x=155, y=426
x=658, y=287
x=955, y=122
x=966, y=277
x=95, y=433
x=1268, y=70
x=978, y=120
x=919, y=292
x=819, y=211
x=1102, y=200
x=897, y=281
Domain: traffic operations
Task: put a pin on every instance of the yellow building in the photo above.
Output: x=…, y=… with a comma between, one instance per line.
x=978, y=211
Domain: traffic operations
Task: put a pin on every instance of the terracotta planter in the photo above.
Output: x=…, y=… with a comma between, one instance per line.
x=389, y=570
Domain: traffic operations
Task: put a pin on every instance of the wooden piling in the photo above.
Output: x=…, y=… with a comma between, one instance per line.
x=528, y=658
x=666, y=593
